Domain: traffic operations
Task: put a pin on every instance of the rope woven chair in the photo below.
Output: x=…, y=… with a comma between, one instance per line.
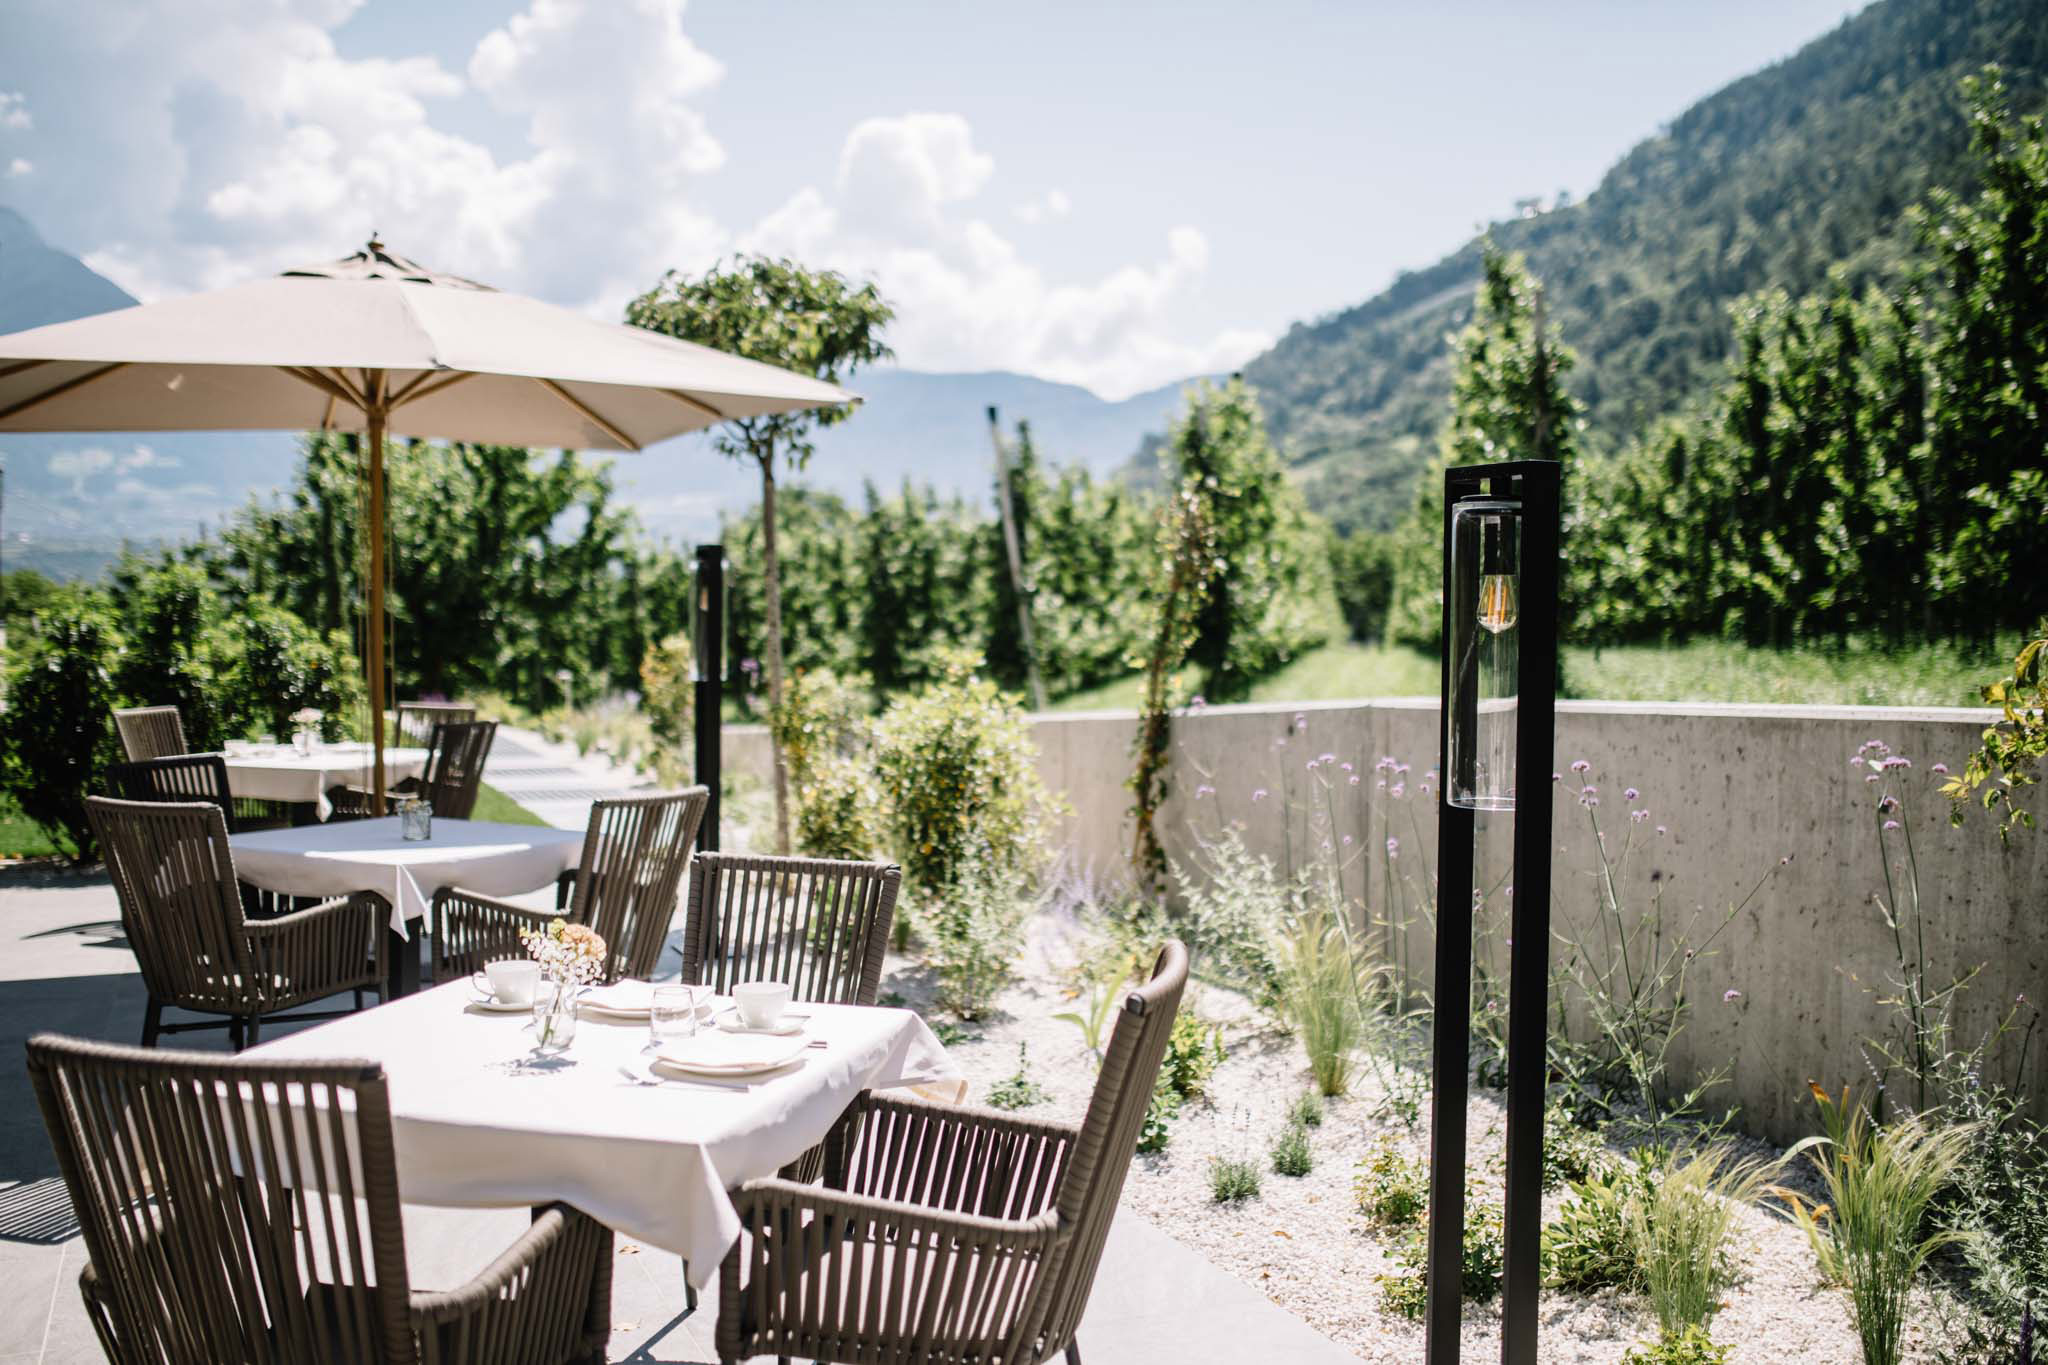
x=821, y=925
x=195, y=777
x=454, y=775
x=150, y=732
x=946, y=1236
x=238, y=1210
x=182, y=912
x=415, y=721
x=634, y=852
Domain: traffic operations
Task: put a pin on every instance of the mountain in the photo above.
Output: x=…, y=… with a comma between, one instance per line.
x=72, y=500
x=1808, y=165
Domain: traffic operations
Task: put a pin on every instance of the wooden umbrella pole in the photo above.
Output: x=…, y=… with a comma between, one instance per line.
x=374, y=665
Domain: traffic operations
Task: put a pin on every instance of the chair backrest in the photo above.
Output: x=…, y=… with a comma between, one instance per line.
x=455, y=766
x=180, y=906
x=1101, y=1155
x=819, y=924
x=187, y=777
x=417, y=719
x=233, y=1209
x=634, y=853
x=149, y=731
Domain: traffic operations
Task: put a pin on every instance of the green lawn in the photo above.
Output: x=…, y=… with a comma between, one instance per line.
x=1701, y=670
x=21, y=837
x=492, y=804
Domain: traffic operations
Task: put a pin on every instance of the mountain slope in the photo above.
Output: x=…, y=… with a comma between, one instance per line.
x=40, y=284
x=1805, y=165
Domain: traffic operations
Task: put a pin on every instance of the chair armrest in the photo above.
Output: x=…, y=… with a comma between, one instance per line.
x=951, y=1157
x=319, y=950
x=549, y=1292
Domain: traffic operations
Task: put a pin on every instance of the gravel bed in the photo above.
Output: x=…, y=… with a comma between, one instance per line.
x=1303, y=1242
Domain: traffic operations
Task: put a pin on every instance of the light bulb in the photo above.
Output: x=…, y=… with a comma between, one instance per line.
x=1498, y=603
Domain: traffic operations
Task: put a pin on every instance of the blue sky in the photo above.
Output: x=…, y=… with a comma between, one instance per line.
x=1111, y=195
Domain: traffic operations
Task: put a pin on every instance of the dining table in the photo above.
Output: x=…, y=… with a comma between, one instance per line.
x=279, y=772
x=325, y=862
x=481, y=1120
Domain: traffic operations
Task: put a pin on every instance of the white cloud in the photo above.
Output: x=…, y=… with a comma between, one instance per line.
x=1046, y=208
x=241, y=140
x=965, y=296
x=85, y=466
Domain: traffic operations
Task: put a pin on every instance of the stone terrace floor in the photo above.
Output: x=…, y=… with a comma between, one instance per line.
x=68, y=969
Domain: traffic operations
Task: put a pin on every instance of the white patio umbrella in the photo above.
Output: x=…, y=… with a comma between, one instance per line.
x=377, y=343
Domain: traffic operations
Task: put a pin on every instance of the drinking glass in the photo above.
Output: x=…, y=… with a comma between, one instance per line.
x=673, y=1014
x=415, y=818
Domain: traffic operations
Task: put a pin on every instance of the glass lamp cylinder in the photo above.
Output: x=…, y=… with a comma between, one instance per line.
x=708, y=616
x=1485, y=642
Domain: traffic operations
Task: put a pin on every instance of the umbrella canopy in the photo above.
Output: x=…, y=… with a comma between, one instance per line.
x=378, y=343
x=457, y=360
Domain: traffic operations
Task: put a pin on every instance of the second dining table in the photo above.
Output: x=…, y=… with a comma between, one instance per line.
x=279, y=772
x=322, y=862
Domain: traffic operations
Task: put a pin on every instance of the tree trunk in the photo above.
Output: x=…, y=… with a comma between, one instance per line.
x=771, y=584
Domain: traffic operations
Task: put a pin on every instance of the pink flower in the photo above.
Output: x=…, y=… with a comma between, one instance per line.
x=1662, y=830
x=1197, y=702
x=1580, y=765
x=1638, y=816
x=1396, y=789
x=1354, y=779
x=1204, y=790
x=1730, y=996
x=1941, y=768
x=1327, y=758
x=1259, y=795
x=1631, y=794
x=1891, y=824
x=1393, y=848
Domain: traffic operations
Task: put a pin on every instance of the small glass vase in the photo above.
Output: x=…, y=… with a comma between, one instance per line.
x=554, y=1018
x=415, y=818
x=302, y=742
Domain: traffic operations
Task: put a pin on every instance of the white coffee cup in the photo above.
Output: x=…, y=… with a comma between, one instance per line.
x=513, y=981
x=760, y=1003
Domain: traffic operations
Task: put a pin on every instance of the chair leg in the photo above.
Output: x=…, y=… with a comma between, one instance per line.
x=255, y=1028
x=359, y=997
x=152, y=1022
x=235, y=1033
x=1073, y=1353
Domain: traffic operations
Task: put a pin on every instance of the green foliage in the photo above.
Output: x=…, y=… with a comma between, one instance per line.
x=821, y=716
x=1880, y=1183
x=1998, y=1200
x=1772, y=180
x=1193, y=1051
x=1406, y=1291
x=1307, y=1109
x=1392, y=1189
x=1590, y=1245
x=1292, y=1155
x=1680, y=1231
x=1155, y=1132
x=1186, y=560
x=1362, y=572
x=1232, y=1180
x=55, y=737
x=839, y=809
x=1571, y=1151
x=956, y=764
x=1101, y=993
x=167, y=615
x=2010, y=759
x=1690, y=1347
x=1319, y=990
x=1018, y=1091
x=506, y=565
x=972, y=931
x=268, y=664
x=668, y=689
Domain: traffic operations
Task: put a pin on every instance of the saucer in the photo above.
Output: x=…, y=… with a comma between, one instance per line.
x=791, y=1025
x=493, y=1005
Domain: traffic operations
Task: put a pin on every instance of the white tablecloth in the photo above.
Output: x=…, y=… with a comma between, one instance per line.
x=279, y=774
x=370, y=855
x=478, y=1123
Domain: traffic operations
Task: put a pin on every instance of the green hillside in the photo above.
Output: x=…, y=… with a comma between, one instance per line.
x=1807, y=164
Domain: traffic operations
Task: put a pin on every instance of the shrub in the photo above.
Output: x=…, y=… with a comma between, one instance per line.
x=1018, y=1091
x=822, y=715
x=1680, y=1232
x=1406, y=1291
x=267, y=663
x=1691, y=1347
x=1154, y=1133
x=1392, y=1190
x=1307, y=1110
x=956, y=765
x=839, y=809
x=1193, y=1050
x=55, y=737
x=1589, y=1245
x=1880, y=1183
x=168, y=615
x=973, y=935
x=1291, y=1154
x=1320, y=991
x=2000, y=1199
x=1233, y=906
x=1570, y=1150
x=1232, y=1180
x=668, y=693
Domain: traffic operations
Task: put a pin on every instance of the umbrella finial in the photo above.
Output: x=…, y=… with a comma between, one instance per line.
x=376, y=245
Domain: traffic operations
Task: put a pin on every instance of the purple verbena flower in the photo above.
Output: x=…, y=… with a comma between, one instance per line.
x=1638, y=816
x=1941, y=768
x=1887, y=803
x=1631, y=794
x=1205, y=790
x=1580, y=765
x=1393, y=848
x=1259, y=795
x=1730, y=996
x=1397, y=789
x=1891, y=824
x=1327, y=758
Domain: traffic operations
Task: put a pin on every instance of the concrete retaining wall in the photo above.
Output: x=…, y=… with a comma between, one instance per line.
x=1735, y=788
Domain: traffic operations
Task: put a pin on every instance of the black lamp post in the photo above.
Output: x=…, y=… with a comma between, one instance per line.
x=707, y=638
x=1501, y=525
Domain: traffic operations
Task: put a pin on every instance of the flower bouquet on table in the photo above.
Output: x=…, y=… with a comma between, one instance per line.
x=571, y=956
x=306, y=728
